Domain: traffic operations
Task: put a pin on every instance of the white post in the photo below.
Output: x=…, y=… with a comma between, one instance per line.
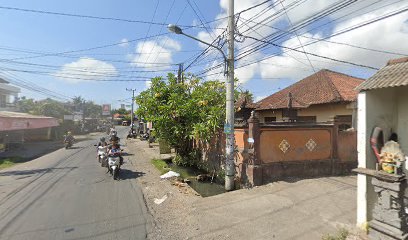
x=229, y=123
x=362, y=158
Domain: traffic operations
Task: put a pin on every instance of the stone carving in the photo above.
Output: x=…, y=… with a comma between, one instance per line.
x=311, y=145
x=389, y=215
x=284, y=146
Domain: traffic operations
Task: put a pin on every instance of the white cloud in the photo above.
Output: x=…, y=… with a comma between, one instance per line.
x=149, y=53
x=86, y=69
x=124, y=42
x=259, y=98
x=389, y=34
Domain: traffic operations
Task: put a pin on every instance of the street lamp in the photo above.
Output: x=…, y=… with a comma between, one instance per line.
x=229, y=121
x=177, y=30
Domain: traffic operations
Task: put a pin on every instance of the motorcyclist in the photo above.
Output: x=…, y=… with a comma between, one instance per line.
x=102, y=142
x=112, y=130
x=115, y=149
x=69, y=137
x=114, y=139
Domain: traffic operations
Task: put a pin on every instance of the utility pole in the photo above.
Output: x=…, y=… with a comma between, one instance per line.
x=229, y=123
x=180, y=72
x=229, y=71
x=133, y=100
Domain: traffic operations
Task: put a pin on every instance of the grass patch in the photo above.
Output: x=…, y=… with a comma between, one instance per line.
x=8, y=162
x=185, y=172
x=161, y=165
x=341, y=234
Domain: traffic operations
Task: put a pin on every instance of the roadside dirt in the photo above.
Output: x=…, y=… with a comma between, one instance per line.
x=172, y=210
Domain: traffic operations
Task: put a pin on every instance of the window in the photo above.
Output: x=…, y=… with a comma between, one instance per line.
x=306, y=119
x=289, y=113
x=270, y=119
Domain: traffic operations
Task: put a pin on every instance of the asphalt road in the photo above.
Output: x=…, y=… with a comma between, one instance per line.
x=67, y=195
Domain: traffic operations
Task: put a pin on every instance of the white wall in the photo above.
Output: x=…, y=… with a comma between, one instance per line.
x=402, y=120
x=323, y=112
x=376, y=108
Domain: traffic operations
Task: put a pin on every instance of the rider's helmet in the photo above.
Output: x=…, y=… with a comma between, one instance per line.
x=102, y=139
x=114, y=133
x=69, y=133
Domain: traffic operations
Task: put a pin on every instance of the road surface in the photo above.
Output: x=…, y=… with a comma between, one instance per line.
x=67, y=195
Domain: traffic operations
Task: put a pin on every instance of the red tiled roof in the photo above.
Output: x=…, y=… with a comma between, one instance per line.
x=244, y=102
x=324, y=86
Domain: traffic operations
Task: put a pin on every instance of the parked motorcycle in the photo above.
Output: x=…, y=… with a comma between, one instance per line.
x=103, y=155
x=114, y=164
x=147, y=137
x=132, y=133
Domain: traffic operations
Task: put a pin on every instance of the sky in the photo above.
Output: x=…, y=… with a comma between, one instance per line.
x=69, y=54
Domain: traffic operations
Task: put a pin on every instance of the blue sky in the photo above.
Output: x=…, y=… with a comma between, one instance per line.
x=25, y=35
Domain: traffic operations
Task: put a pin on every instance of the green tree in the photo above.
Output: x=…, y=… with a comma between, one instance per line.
x=26, y=105
x=183, y=111
x=91, y=109
x=121, y=111
x=50, y=108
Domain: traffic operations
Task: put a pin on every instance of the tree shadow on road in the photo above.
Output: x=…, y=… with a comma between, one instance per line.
x=33, y=171
x=75, y=148
x=129, y=174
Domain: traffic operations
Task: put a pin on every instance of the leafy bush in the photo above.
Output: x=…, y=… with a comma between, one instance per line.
x=183, y=112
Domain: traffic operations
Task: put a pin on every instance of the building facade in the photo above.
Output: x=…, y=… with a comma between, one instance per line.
x=8, y=96
x=320, y=97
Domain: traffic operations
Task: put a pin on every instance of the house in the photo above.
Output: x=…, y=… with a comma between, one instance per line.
x=17, y=128
x=382, y=103
x=319, y=97
x=8, y=96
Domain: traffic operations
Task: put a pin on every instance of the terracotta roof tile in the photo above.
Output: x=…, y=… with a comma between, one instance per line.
x=324, y=86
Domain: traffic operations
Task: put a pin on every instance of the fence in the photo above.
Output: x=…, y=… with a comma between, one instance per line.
x=289, y=150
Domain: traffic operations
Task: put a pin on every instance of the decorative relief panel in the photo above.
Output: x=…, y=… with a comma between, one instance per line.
x=311, y=145
x=284, y=146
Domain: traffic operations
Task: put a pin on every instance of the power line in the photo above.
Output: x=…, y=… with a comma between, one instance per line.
x=312, y=54
x=335, y=42
x=18, y=81
x=90, y=16
x=302, y=24
x=297, y=36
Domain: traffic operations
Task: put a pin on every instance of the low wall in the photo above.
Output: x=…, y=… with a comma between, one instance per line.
x=298, y=150
x=284, y=151
x=293, y=143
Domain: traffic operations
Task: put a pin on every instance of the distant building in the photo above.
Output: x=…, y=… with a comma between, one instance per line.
x=320, y=97
x=17, y=128
x=8, y=96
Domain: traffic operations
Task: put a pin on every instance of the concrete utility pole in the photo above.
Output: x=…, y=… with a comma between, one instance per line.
x=229, y=122
x=133, y=100
x=179, y=73
x=229, y=71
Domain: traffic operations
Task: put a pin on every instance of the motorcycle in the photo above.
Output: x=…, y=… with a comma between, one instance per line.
x=132, y=133
x=68, y=142
x=144, y=136
x=147, y=137
x=102, y=155
x=114, y=164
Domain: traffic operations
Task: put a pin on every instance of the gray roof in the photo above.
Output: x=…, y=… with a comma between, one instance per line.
x=394, y=74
